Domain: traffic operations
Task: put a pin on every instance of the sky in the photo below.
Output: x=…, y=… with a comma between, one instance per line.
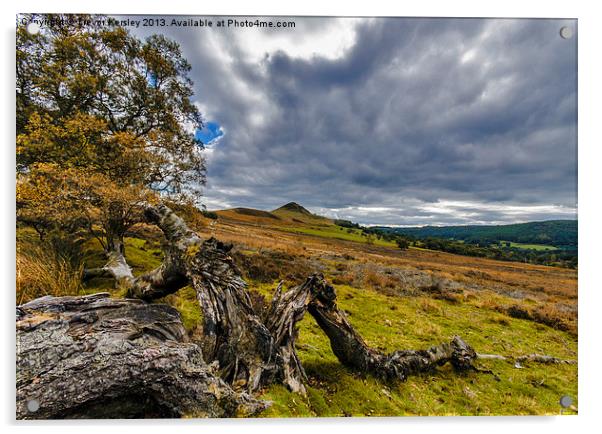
x=390, y=121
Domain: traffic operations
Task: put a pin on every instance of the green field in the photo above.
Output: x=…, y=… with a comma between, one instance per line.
x=530, y=246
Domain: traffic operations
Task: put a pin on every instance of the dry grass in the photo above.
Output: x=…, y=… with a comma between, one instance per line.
x=428, y=306
x=550, y=314
x=266, y=265
x=40, y=272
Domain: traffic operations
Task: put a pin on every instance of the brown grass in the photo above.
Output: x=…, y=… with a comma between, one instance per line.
x=268, y=265
x=40, y=272
x=549, y=314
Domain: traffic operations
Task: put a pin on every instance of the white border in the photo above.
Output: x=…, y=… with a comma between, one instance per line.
x=590, y=240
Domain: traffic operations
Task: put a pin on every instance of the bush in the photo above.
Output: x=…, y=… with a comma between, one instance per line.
x=347, y=224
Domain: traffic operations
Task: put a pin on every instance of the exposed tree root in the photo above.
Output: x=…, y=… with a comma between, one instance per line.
x=536, y=358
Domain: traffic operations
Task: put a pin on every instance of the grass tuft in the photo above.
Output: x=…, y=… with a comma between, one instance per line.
x=40, y=272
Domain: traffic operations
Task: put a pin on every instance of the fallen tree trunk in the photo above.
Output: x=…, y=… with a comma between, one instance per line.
x=96, y=357
x=255, y=351
x=352, y=350
x=251, y=353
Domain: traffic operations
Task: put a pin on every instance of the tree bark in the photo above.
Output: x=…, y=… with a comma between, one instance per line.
x=96, y=357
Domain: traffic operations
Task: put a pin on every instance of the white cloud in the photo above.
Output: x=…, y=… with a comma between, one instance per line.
x=331, y=40
x=468, y=56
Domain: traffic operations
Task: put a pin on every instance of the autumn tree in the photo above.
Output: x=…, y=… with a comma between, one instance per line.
x=104, y=123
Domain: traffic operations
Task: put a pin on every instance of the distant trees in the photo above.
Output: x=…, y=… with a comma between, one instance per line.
x=559, y=233
x=104, y=123
x=402, y=243
x=347, y=224
x=564, y=258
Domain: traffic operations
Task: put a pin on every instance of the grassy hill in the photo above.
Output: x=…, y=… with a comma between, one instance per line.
x=397, y=300
x=559, y=233
x=298, y=214
x=296, y=219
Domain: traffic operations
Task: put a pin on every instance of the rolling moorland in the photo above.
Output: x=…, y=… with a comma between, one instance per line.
x=396, y=299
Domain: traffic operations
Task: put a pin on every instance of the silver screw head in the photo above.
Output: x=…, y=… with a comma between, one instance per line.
x=566, y=32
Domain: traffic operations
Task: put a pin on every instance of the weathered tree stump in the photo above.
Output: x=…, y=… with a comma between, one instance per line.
x=97, y=357
x=251, y=353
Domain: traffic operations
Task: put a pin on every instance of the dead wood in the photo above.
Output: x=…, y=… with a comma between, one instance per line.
x=254, y=351
x=352, y=350
x=97, y=357
x=536, y=358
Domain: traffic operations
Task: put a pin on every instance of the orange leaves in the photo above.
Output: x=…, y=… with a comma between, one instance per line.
x=54, y=196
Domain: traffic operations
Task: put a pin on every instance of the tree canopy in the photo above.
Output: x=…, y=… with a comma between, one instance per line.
x=104, y=121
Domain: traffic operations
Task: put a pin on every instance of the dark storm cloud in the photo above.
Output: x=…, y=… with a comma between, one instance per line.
x=420, y=121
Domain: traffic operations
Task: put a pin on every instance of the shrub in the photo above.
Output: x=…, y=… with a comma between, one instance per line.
x=402, y=243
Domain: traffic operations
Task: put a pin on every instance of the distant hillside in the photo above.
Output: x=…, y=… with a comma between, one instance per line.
x=559, y=233
x=299, y=214
x=291, y=214
x=293, y=207
x=255, y=213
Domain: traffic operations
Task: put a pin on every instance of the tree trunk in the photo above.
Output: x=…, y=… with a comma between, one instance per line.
x=251, y=354
x=116, y=266
x=96, y=357
x=253, y=351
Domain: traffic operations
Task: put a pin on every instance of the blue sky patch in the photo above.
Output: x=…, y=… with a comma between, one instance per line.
x=209, y=133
